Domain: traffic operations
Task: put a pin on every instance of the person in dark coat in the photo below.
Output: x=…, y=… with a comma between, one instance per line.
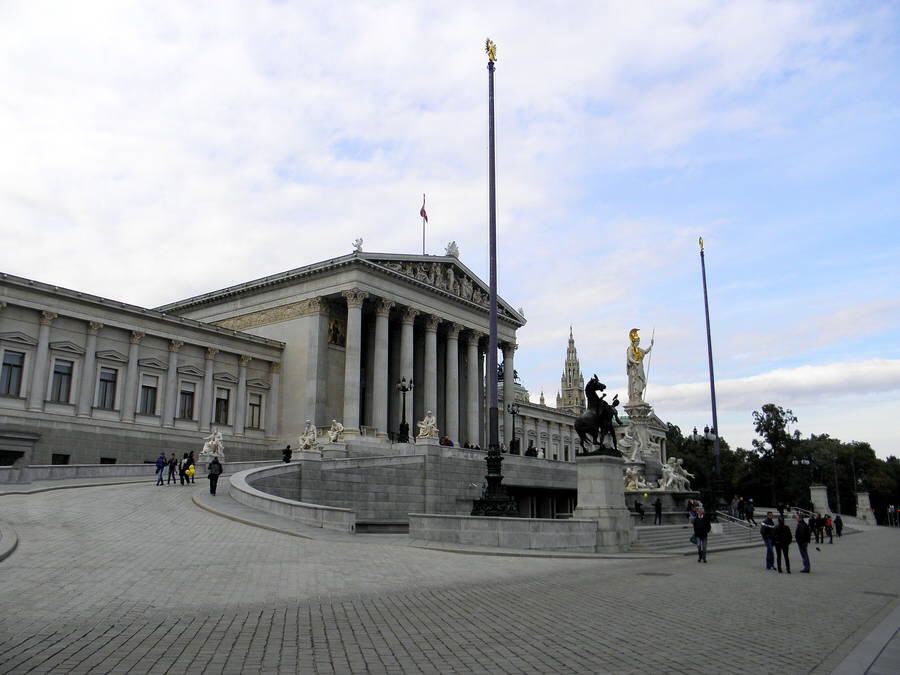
x=838, y=525
x=783, y=544
x=160, y=467
x=191, y=463
x=286, y=455
x=173, y=469
x=742, y=509
x=639, y=509
x=802, y=536
x=828, y=530
x=748, y=511
x=767, y=530
x=702, y=526
x=657, y=512
x=182, y=468
x=214, y=470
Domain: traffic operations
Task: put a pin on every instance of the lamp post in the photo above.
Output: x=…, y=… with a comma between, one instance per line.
x=403, y=387
x=513, y=409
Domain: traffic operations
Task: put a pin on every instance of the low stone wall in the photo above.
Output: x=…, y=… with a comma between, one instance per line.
x=316, y=515
x=519, y=533
x=107, y=471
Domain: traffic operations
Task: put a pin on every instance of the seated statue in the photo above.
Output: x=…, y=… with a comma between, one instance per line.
x=336, y=432
x=309, y=439
x=214, y=446
x=428, y=426
x=631, y=476
x=683, y=476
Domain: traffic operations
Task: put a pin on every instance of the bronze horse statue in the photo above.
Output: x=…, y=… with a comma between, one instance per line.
x=597, y=420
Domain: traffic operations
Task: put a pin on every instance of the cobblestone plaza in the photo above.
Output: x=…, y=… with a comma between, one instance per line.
x=136, y=578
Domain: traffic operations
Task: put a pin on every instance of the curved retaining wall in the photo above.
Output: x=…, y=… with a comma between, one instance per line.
x=520, y=533
x=316, y=515
x=69, y=471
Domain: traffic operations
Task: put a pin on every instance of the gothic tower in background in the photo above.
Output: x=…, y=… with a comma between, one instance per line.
x=572, y=382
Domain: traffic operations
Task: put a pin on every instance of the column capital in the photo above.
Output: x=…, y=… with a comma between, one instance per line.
x=136, y=337
x=244, y=360
x=408, y=315
x=274, y=367
x=211, y=353
x=355, y=297
x=175, y=345
x=453, y=330
x=383, y=307
x=473, y=337
x=508, y=348
x=318, y=305
x=94, y=327
x=431, y=322
x=48, y=317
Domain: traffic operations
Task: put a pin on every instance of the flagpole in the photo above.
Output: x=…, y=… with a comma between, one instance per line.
x=712, y=382
x=423, y=224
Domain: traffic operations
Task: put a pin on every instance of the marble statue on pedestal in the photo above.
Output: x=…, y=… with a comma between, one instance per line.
x=214, y=447
x=634, y=364
x=668, y=479
x=309, y=439
x=336, y=432
x=631, y=445
x=683, y=475
x=634, y=480
x=428, y=426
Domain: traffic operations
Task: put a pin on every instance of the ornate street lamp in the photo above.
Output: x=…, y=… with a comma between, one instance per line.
x=403, y=387
x=513, y=409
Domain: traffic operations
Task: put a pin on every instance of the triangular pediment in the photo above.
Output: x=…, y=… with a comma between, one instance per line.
x=18, y=338
x=225, y=377
x=258, y=384
x=112, y=355
x=156, y=364
x=67, y=347
x=446, y=274
x=190, y=370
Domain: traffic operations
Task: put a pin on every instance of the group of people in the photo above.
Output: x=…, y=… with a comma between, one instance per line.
x=742, y=509
x=777, y=537
x=185, y=469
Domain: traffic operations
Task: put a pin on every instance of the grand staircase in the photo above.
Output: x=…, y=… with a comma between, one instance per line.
x=676, y=538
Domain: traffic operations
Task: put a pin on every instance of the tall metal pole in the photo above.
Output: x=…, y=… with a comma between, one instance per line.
x=493, y=413
x=712, y=377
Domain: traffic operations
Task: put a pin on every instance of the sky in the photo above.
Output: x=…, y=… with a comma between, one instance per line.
x=154, y=151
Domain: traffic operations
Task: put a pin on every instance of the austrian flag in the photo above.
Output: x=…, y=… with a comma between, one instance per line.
x=422, y=210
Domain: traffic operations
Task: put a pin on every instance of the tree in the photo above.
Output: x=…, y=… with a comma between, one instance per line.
x=775, y=443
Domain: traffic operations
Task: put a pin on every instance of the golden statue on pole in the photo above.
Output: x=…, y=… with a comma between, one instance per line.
x=491, y=49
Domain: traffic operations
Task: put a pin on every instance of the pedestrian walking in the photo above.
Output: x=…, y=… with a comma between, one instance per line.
x=767, y=530
x=802, y=536
x=783, y=544
x=160, y=467
x=689, y=510
x=182, y=469
x=639, y=509
x=702, y=526
x=828, y=529
x=286, y=455
x=820, y=529
x=742, y=509
x=173, y=468
x=657, y=512
x=749, y=509
x=814, y=525
x=733, y=509
x=838, y=525
x=191, y=458
x=214, y=470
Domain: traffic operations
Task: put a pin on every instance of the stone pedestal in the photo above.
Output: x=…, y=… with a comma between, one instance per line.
x=818, y=495
x=433, y=442
x=307, y=455
x=601, y=497
x=864, y=508
x=334, y=450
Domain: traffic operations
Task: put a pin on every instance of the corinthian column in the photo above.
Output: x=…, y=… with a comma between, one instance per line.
x=240, y=406
x=41, y=356
x=452, y=383
x=509, y=388
x=380, y=374
x=86, y=388
x=408, y=319
x=352, y=355
x=206, y=406
x=430, y=397
x=171, y=384
x=472, y=379
x=130, y=398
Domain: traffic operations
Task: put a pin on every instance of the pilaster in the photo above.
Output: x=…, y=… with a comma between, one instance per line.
x=240, y=405
x=171, y=400
x=41, y=356
x=207, y=404
x=88, y=376
x=129, y=398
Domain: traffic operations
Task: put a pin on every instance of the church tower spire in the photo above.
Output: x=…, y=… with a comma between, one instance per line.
x=571, y=399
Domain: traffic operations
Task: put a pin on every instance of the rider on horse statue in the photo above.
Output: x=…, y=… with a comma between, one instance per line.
x=597, y=421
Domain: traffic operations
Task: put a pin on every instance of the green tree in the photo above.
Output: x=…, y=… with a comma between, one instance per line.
x=774, y=445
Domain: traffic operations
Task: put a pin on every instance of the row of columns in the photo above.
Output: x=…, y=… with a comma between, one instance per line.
x=353, y=353
x=85, y=398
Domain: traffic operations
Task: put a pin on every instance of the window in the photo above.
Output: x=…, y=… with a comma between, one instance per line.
x=107, y=460
x=149, y=385
x=186, y=401
x=222, y=405
x=254, y=418
x=57, y=458
x=106, y=397
x=566, y=452
x=11, y=376
x=61, y=385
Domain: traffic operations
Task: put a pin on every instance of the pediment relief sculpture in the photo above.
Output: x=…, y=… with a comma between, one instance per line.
x=442, y=276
